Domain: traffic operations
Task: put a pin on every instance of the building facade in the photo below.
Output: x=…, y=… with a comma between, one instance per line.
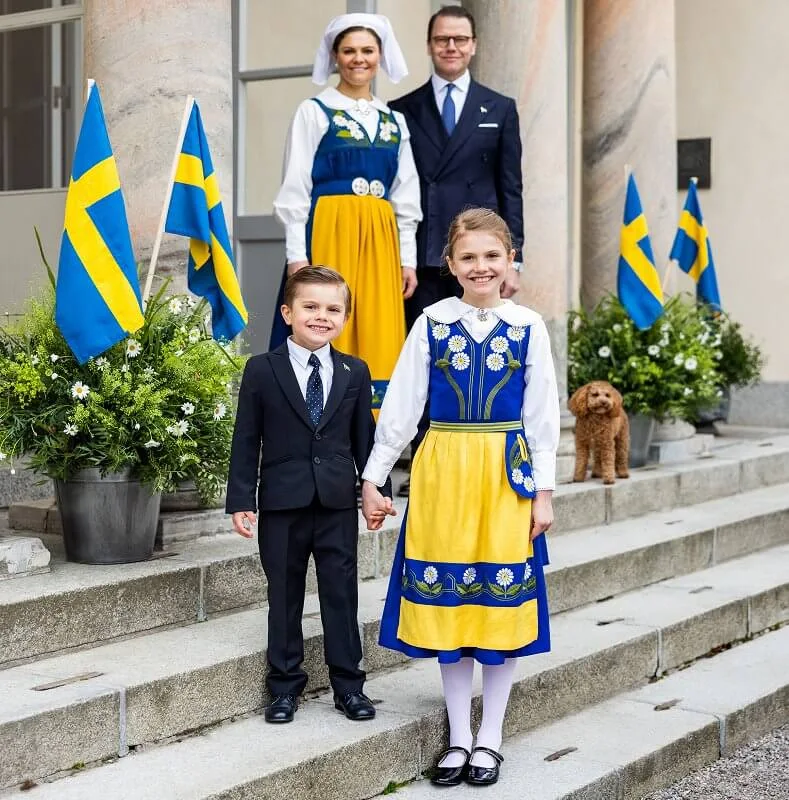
x=599, y=85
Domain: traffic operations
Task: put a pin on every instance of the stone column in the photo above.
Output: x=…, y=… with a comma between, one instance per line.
x=629, y=119
x=146, y=56
x=522, y=52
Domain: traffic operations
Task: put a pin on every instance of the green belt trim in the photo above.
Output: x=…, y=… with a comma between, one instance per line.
x=476, y=427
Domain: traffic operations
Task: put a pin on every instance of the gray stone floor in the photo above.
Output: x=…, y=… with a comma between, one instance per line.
x=758, y=771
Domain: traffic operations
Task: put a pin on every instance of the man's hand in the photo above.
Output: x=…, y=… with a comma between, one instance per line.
x=375, y=506
x=512, y=282
x=295, y=266
x=541, y=513
x=243, y=522
x=409, y=282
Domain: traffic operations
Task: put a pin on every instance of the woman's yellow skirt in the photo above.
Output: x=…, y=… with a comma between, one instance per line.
x=357, y=236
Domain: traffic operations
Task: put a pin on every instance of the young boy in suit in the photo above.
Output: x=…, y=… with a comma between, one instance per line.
x=304, y=427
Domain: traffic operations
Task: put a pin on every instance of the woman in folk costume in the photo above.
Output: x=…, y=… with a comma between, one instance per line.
x=350, y=193
x=467, y=582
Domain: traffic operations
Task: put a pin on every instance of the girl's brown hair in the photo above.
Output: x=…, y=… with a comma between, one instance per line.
x=477, y=219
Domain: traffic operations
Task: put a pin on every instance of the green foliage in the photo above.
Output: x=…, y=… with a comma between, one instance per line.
x=671, y=370
x=743, y=361
x=159, y=402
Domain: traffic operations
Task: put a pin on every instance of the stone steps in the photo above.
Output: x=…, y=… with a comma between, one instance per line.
x=77, y=605
x=172, y=682
x=647, y=739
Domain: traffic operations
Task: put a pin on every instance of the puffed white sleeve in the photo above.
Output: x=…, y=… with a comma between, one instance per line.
x=292, y=203
x=405, y=197
x=540, y=414
x=403, y=404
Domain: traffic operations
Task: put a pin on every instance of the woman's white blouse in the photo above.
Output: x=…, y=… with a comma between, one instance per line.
x=292, y=204
x=407, y=391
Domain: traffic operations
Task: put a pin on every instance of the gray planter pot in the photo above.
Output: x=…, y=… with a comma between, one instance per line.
x=187, y=498
x=641, y=430
x=107, y=520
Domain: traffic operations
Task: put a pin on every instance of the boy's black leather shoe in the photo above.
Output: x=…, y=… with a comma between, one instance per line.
x=282, y=708
x=450, y=776
x=355, y=706
x=484, y=776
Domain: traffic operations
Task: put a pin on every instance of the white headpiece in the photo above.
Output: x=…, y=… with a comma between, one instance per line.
x=392, y=59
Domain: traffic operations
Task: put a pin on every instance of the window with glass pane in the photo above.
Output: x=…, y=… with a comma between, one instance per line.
x=40, y=98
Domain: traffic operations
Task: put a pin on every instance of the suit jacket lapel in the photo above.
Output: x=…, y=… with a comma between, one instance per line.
x=425, y=114
x=470, y=117
x=339, y=383
x=286, y=377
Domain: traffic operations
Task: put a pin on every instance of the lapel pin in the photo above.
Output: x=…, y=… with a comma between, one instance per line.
x=483, y=110
x=346, y=366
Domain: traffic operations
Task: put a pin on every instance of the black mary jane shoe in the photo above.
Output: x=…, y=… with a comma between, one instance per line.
x=484, y=776
x=355, y=705
x=282, y=708
x=450, y=776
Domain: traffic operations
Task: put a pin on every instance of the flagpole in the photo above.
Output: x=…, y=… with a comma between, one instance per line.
x=695, y=180
x=160, y=232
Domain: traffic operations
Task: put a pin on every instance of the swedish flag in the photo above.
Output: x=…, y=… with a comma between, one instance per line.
x=692, y=252
x=196, y=211
x=638, y=282
x=97, y=300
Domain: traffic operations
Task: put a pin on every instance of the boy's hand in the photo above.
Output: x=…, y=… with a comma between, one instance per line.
x=541, y=513
x=375, y=506
x=243, y=522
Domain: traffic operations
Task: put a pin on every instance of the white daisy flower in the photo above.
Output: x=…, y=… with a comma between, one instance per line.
x=663, y=341
x=181, y=427
x=716, y=341
x=499, y=344
x=679, y=359
x=34, y=361
x=666, y=326
x=703, y=337
x=505, y=577
x=528, y=484
x=133, y=348
x=457, y=344
x=687, y=391
x=653, y=350
x=691, y=364
x=175, y=306
x=682, y=336
x=617, y=327
x=719, y=393
x=54, y=357
x=149, y=372
x=526, y=572
x=70, y=429
x=194, y=335
x=102, y=363
x=517, y=477
x=220, y=410
x=188, y=408
x=460, y=361
x=136, y=426
x=80, y=391
x=604, y=351
x=124, y=368
x=516, y=332
x=54, y=376
x=495, y=362
x=152, y=443
x=718, y=355
x=440, y=332
x=469, y=576
x=431, y=575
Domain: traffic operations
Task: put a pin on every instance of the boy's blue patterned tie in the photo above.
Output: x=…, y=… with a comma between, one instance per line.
x=315, y=390
x=448, y=110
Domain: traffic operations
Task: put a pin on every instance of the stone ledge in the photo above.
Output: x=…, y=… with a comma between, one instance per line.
x=21, y=556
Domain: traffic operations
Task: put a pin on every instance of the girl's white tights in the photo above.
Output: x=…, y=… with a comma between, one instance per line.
x=496, y=684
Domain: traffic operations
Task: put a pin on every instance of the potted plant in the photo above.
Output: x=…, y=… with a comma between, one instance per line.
x=114, y=433
x=668, y=371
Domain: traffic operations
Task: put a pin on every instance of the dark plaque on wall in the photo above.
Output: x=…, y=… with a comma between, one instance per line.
x=693, y=161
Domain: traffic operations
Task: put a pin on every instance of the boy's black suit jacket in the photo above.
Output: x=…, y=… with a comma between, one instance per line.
x=296, y=459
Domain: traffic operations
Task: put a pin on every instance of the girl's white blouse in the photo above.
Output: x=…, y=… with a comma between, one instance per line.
x=407, y=391
x=292, y=204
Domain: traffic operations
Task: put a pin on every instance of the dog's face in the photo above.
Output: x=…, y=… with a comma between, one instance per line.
x=597, y=397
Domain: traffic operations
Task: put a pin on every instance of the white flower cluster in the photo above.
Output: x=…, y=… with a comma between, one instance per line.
x=387, y=130
x=352, y=126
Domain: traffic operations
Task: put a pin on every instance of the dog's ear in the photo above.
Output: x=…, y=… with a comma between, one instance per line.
x=617, y=407
x=577, y=403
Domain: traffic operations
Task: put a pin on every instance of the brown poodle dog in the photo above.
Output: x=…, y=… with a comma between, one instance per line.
x=600, y=426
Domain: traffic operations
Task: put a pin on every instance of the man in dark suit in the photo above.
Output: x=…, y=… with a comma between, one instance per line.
x=304, y=426
x=466, y=143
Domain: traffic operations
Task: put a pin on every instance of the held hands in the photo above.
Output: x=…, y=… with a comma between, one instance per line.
x=375, y=506
x=295, y=266
x=541, y=513
x=409, y=282
x=243, y=522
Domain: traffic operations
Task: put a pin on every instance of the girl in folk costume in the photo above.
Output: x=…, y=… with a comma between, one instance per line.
x=467, y=582
x=350, y=193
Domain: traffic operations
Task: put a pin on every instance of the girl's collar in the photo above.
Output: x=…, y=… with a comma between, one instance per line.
x=453, y=309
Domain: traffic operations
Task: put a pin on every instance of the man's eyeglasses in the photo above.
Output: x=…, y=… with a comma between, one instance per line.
x=443, y=41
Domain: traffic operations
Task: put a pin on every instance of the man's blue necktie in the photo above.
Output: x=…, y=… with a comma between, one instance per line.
x=448, y=111
x=314, y=396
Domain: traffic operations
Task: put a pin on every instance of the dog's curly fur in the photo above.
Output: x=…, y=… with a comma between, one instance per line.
x=600, y=426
